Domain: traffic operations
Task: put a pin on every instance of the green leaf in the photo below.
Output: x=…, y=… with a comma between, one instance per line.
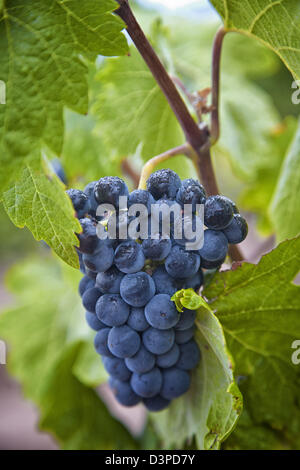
x=39, y=202
x=250, y=436
x=75, y=414
x=63, y=35
x=258, y=308
x=39, y=85
x=188, y=298
x=285, y=209
x=132, y=110
x=209, y=410
x=274, y=23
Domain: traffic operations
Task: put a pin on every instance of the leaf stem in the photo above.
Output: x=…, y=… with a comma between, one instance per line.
x=216, y=66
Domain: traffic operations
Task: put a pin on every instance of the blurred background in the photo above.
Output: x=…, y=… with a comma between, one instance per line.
x=258, y=124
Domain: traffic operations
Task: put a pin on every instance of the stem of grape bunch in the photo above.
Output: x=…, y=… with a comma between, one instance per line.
x=148, y=168
x=197, y=137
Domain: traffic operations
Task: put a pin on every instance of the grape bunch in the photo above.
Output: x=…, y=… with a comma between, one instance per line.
x=147, y=346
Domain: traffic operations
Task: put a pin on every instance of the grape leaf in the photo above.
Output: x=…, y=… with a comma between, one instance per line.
x=259, y=310
x=250, y=436
x=274, y=23
x=41, y=45
x=131, y=109
x=285, y=210
x=43, y=69
x=38, y=201
x=209, y=410
x=75, y=414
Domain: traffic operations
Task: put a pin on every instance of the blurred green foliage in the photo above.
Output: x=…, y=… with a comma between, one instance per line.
x=14, y=243
x=50, y=355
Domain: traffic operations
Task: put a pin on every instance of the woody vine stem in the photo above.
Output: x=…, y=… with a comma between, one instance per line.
x=198, y=139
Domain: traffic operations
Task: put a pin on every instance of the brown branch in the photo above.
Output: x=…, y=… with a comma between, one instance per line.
x=216, y=65
x=190, y=128
x=197, y=137
x=207, y=173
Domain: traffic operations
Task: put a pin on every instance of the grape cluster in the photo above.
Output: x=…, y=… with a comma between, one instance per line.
x=147, y=346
